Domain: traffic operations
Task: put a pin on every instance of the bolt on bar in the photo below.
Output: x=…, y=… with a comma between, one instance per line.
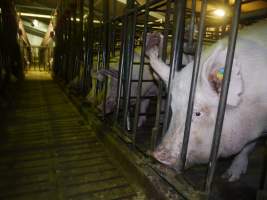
x=177, y=53
x=223, y=96
x=194, y=79
x=140, y=78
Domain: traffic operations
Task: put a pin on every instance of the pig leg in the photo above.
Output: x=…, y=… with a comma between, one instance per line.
x=239, y=164
x=151, y=91
x=143, y=108
x=152, y=51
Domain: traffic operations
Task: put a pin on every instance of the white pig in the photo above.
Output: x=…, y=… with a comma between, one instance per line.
x=246, y=112
x=148, y=89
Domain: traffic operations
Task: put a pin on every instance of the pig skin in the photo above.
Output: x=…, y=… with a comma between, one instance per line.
x=246, y=112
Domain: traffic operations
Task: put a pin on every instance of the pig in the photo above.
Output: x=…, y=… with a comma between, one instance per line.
x=148, y=89
x=246, y=110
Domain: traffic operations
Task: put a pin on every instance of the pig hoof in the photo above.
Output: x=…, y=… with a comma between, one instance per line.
x=238, y=167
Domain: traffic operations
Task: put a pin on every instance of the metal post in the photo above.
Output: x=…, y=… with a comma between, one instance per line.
x=223, y=96
x=121, y=65
x=193, y=83
x=156, y=127
x=80, y=57
x=192, y=26
x=177, y=53
x=129, y=58
x=105, y=48
x=140, y=78
x=89, y=56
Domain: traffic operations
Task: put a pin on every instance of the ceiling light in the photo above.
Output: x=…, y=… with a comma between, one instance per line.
x=35, y=15
x=219, y=12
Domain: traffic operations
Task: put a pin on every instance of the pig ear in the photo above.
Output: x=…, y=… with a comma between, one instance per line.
x=214, y=71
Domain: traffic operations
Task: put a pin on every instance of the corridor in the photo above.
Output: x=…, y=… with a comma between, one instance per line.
x=48, y=152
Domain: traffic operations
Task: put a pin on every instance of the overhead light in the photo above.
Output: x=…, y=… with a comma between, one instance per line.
x=35, y=15
x=96, y=21
x=219, y=12
x=122, y=1
x=35, y=23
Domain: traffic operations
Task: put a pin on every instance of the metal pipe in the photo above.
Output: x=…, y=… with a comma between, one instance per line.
x=121, y=71
x=177, y=53
x=192, y=26
x=155, y=130
x=128, y=64
x=223, y=96
x=90, y=46
x=105, y=49
x=140, y=78
x=80, y=56
x=193, y=87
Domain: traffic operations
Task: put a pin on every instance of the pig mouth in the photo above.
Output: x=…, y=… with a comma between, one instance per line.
x=164, y=156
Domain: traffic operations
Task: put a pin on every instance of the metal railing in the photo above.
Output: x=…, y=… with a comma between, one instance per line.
x=123, y=35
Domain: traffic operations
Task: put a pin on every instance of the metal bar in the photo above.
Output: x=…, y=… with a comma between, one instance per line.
x=223, y=96
x=121, y=71
x=156, y=127
x=128, y=64
x=73, y=41
x=80, y=54
x=140, y=78
x=263, y=177
x=193, y=87
x=105, y=48
x=192, y=26
x=90, y=46
x=177, y=53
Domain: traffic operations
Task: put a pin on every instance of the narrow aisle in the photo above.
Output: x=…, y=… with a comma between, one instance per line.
x=48, y=152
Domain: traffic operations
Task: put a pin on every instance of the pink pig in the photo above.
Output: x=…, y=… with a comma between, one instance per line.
x=246, y=111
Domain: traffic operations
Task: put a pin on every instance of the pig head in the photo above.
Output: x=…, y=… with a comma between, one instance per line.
x=111, y=90
x=246, y=111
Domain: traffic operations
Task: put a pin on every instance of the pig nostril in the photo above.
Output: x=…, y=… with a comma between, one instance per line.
x=198, y=114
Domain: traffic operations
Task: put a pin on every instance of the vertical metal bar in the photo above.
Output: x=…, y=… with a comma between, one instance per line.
x=80, y=56
x=177, y=54
x=263, y=176
x=113, y=30
x=129, y=58
x=193, y=83
x=121, y=71
x=89, y=56
x=105, y=48
x=192, y=26
x=156, y=127
x=140, y=78
x=223, y=96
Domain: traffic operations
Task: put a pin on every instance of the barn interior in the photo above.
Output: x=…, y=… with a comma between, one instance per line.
x=81, y=110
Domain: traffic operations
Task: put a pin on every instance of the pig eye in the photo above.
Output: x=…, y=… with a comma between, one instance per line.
x=197, y=114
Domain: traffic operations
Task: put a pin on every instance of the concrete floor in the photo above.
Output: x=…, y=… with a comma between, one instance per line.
x=48, y=152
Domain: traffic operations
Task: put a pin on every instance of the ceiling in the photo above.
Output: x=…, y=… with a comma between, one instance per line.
x=47, y=7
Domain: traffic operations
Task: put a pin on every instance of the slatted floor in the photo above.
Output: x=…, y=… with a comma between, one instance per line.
x=48, y=152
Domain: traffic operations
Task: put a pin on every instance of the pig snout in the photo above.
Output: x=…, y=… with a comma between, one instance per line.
x=153, y=42
x=153, y=39
x=165, y=156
